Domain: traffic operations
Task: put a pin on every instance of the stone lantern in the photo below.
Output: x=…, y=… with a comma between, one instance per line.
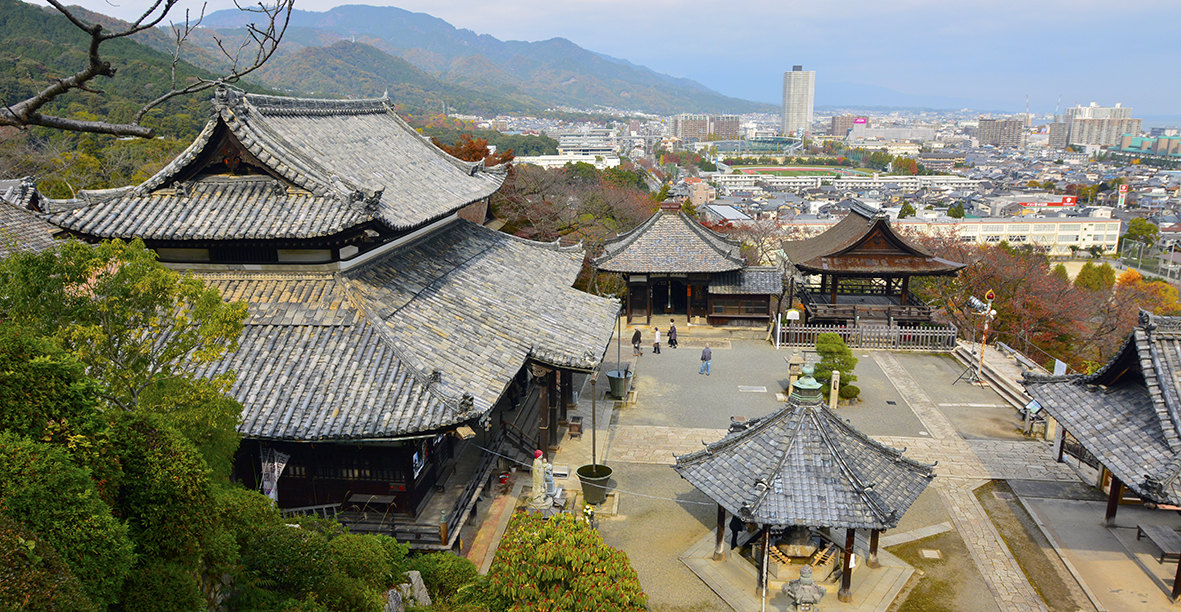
x=804, y=593
x=795, y=367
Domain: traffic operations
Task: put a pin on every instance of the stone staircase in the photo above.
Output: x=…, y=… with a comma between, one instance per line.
x=1002, y=372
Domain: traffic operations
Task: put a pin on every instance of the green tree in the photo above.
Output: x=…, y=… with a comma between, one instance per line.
x=1141, y=230
x=57, y=500
x=561, y=563
x=133, y=322
x=907, y=210
x=957, y=211
x=34, y=577
x=834, y=355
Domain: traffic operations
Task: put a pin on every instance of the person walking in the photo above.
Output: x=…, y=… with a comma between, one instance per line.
x=672, y=334
x=636, y=343
x=656, y=341
x=706, y=356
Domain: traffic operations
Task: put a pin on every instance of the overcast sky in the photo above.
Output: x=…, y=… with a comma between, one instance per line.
x=995, y=51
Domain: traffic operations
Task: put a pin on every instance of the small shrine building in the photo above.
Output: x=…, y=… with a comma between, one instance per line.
x=673, y=265
x=801, y=475
x=863, y=268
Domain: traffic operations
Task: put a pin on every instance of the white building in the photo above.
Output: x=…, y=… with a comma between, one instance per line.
x=601, y=162
x=799, y=91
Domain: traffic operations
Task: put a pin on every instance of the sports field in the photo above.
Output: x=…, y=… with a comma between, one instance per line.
x=801, y=170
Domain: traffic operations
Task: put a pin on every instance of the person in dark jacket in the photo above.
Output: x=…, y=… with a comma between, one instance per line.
x=706, y=356
x=636, y=343
x=672, y=334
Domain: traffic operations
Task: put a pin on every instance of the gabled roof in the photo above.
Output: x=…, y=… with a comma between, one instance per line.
x=1128, y=413
x=864, y=243
x=803, y=465
x=753, y=280
x=424, y=337
x=22, y=229
x=669, y=241
x=272, y=167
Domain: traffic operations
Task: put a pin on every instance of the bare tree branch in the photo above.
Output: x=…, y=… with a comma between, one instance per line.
x=261, y=43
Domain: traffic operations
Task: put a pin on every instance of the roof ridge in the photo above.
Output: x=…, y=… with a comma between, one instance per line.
x=778, y=469
x=624, y=240
x=1164, y=400
x=709, y=235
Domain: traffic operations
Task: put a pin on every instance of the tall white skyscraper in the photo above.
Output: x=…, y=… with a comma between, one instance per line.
x=799, y=89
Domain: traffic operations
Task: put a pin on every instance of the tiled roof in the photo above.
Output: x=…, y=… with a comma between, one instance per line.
x=475, y=304
x=845, y=248
x=310, y=368
x=332, y=164
x=393, y=347
x=803, y=465
x=23, y=230
x=21, y=193
x=754, y=280
x=1128, y=413
x=216, y=208
x=670, y=241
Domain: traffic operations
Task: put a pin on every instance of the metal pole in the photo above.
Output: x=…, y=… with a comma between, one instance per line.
x=594, y=423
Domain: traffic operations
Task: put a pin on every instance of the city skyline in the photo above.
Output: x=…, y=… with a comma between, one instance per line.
x=923, y=53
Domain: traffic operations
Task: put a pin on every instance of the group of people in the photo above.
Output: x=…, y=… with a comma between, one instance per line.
x=637, y=339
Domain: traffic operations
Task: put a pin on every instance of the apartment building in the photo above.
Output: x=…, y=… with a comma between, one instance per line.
x=1004, y=133
x=799, y=92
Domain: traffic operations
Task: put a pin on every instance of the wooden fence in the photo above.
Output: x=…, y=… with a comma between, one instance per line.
x=874, y=336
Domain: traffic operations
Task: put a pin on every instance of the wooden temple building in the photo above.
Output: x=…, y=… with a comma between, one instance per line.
x=673, y=265
x=859, y=271
x=801, y=476
x=1127, y=415
x=385, y=322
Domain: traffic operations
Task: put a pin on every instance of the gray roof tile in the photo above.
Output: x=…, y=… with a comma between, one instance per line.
x=803, y=465
x=341, y=163
x=670, y=241
x=23, y=230
x=754, y=280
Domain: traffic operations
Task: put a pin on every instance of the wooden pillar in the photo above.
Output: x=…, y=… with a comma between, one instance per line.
x=1113, y=496
x=543, y=423
x=844, y=594
x=872, y=560
x=832, y=281
x=1059, y=443
x=763, y=553
x=566, y=392
x=905, y=289
x=628, y=291
x=552, y=392
x=720, y=540
x=648, y=293
x=1177, y=582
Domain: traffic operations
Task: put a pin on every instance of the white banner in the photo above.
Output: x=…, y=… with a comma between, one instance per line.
x=273, y=463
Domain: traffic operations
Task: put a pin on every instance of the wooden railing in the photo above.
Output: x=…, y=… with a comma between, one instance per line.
x=874, y=336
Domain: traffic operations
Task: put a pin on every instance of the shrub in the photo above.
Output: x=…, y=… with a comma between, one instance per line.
x=58, y=501
x=848, y=392
x=166, y=497
x=244, y=513
x=288, y=560
x=561, y=563
x=834, y=355
x=43, y=389
x=33, y=577
x=162, y=585
x=444, y=573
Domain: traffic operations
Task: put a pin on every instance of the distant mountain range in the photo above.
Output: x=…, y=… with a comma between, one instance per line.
x=470, y=71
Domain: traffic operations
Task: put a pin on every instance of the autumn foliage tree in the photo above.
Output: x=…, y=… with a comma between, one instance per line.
x=561, y=563
x=474, y=149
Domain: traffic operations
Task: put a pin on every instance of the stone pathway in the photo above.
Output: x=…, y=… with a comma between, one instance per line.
x=656, y=444
x=961, y=470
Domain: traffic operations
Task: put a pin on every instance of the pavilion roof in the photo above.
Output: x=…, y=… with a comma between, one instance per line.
x=1128, y=413
x=268, y=167
x=803, y=465
x=670, y=242
x=864, y=243
x=420, y=338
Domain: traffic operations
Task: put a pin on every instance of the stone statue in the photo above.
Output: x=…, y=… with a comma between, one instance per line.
x=539, y=499
x=551, y=489
x=803, y=591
